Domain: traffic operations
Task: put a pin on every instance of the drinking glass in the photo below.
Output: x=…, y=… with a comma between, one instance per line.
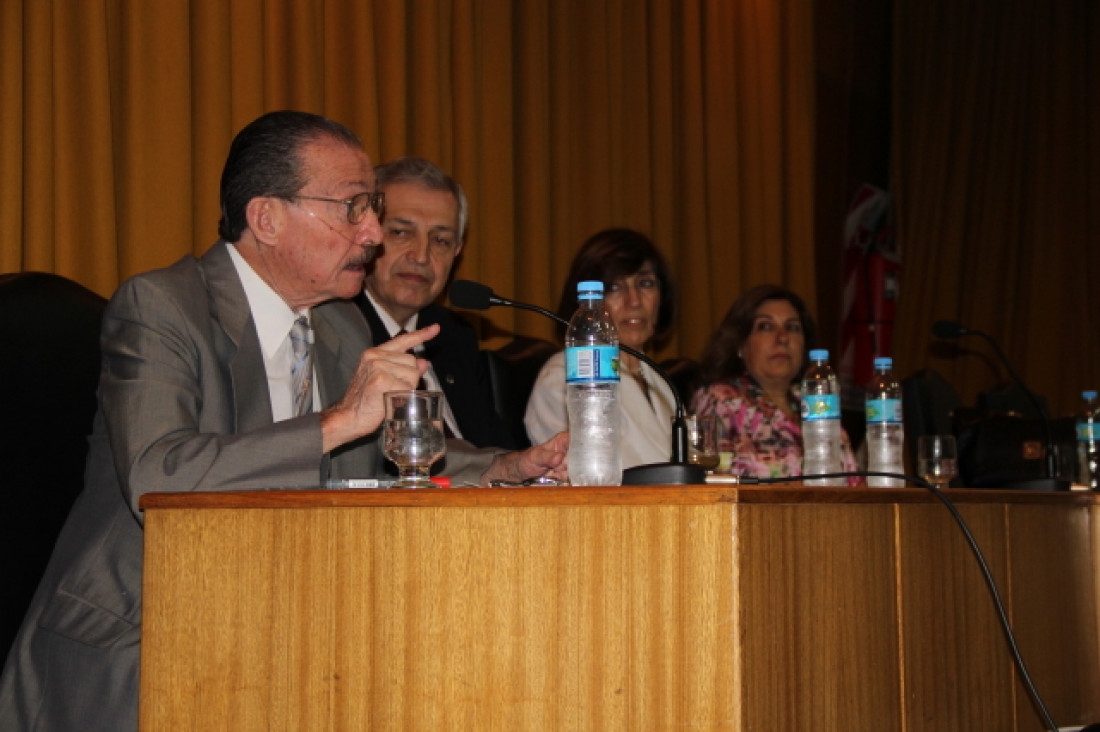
x=413, y=435
x=703, y=440
x=936, y=459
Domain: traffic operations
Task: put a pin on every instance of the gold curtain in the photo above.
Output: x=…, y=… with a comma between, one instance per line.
x=997, y=184
x=691, y=121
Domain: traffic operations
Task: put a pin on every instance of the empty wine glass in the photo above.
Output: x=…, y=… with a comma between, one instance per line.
x=413, y=435
x=936, y=459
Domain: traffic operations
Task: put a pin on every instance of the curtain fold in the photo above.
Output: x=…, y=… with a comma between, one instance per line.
x=691, y=121
x=997, y=192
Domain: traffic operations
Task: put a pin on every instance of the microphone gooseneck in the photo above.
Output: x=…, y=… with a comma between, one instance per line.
x=950, y=330
x=470, y=295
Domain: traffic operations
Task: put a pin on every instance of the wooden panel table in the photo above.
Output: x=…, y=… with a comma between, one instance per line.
x=701, y=607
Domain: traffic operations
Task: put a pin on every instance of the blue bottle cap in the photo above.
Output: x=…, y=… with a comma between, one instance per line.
x=1088, y=394
x=819, y=354
x=589, y=286
x=884, y=362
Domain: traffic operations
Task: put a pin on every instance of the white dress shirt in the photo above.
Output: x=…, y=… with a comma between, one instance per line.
x=431, y=381
x=273, y=319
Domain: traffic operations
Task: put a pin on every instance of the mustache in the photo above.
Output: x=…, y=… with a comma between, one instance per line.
x=366, y=256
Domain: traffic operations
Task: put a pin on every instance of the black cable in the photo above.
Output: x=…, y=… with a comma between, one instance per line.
x=1014, y=650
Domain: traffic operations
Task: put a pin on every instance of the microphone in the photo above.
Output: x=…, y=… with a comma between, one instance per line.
x=950, y=330
x=470, y=295
x=476, y=296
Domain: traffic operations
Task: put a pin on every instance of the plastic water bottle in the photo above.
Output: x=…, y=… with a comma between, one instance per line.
x=820, y=420
x=1088, y=442
x=885, y=431
x=592, y=391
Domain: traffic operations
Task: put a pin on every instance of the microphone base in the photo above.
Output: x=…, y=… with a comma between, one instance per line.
x=665, y=474
x=1036, y=484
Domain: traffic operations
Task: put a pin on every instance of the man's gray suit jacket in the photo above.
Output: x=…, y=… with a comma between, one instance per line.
x=183, y=406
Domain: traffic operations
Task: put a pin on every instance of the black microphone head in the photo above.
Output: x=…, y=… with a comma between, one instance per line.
x=948, y=329
x=470, y=295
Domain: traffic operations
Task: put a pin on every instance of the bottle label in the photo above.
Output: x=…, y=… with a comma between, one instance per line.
x=1088, y=431
x=591, y=363
x=884, y=411
x=820, y=406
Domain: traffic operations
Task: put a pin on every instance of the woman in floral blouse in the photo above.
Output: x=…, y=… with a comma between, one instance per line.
x=751, y=370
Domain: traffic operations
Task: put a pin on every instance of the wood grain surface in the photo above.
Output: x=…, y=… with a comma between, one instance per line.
x=703, y=608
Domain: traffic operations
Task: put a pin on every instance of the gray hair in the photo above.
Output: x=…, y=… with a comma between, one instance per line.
x=424, y=173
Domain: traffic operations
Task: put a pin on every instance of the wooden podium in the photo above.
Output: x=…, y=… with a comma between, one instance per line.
x=700, y=607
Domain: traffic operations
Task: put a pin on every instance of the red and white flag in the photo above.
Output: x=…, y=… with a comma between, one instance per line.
x=872, y=280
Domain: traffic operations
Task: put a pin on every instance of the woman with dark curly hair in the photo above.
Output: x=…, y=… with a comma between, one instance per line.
x=751, y=369
x=640, y=298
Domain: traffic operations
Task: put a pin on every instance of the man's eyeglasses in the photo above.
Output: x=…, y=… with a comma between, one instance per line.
x=357, y=205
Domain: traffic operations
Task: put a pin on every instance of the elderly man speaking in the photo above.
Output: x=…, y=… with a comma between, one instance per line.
x=244, y=369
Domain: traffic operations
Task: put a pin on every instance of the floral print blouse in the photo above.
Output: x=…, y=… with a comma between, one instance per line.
x=765, y=442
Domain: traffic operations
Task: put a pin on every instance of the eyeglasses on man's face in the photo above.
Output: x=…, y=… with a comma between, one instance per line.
x=357, y=205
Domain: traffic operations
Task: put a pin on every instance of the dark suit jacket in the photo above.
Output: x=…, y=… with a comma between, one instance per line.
x=183, y=406
x=460, y=368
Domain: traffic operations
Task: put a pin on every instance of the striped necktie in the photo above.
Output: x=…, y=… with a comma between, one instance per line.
x=301, y=372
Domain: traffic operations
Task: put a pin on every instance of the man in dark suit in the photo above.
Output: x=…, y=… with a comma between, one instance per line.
x=423, y=234
x=204, y=387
